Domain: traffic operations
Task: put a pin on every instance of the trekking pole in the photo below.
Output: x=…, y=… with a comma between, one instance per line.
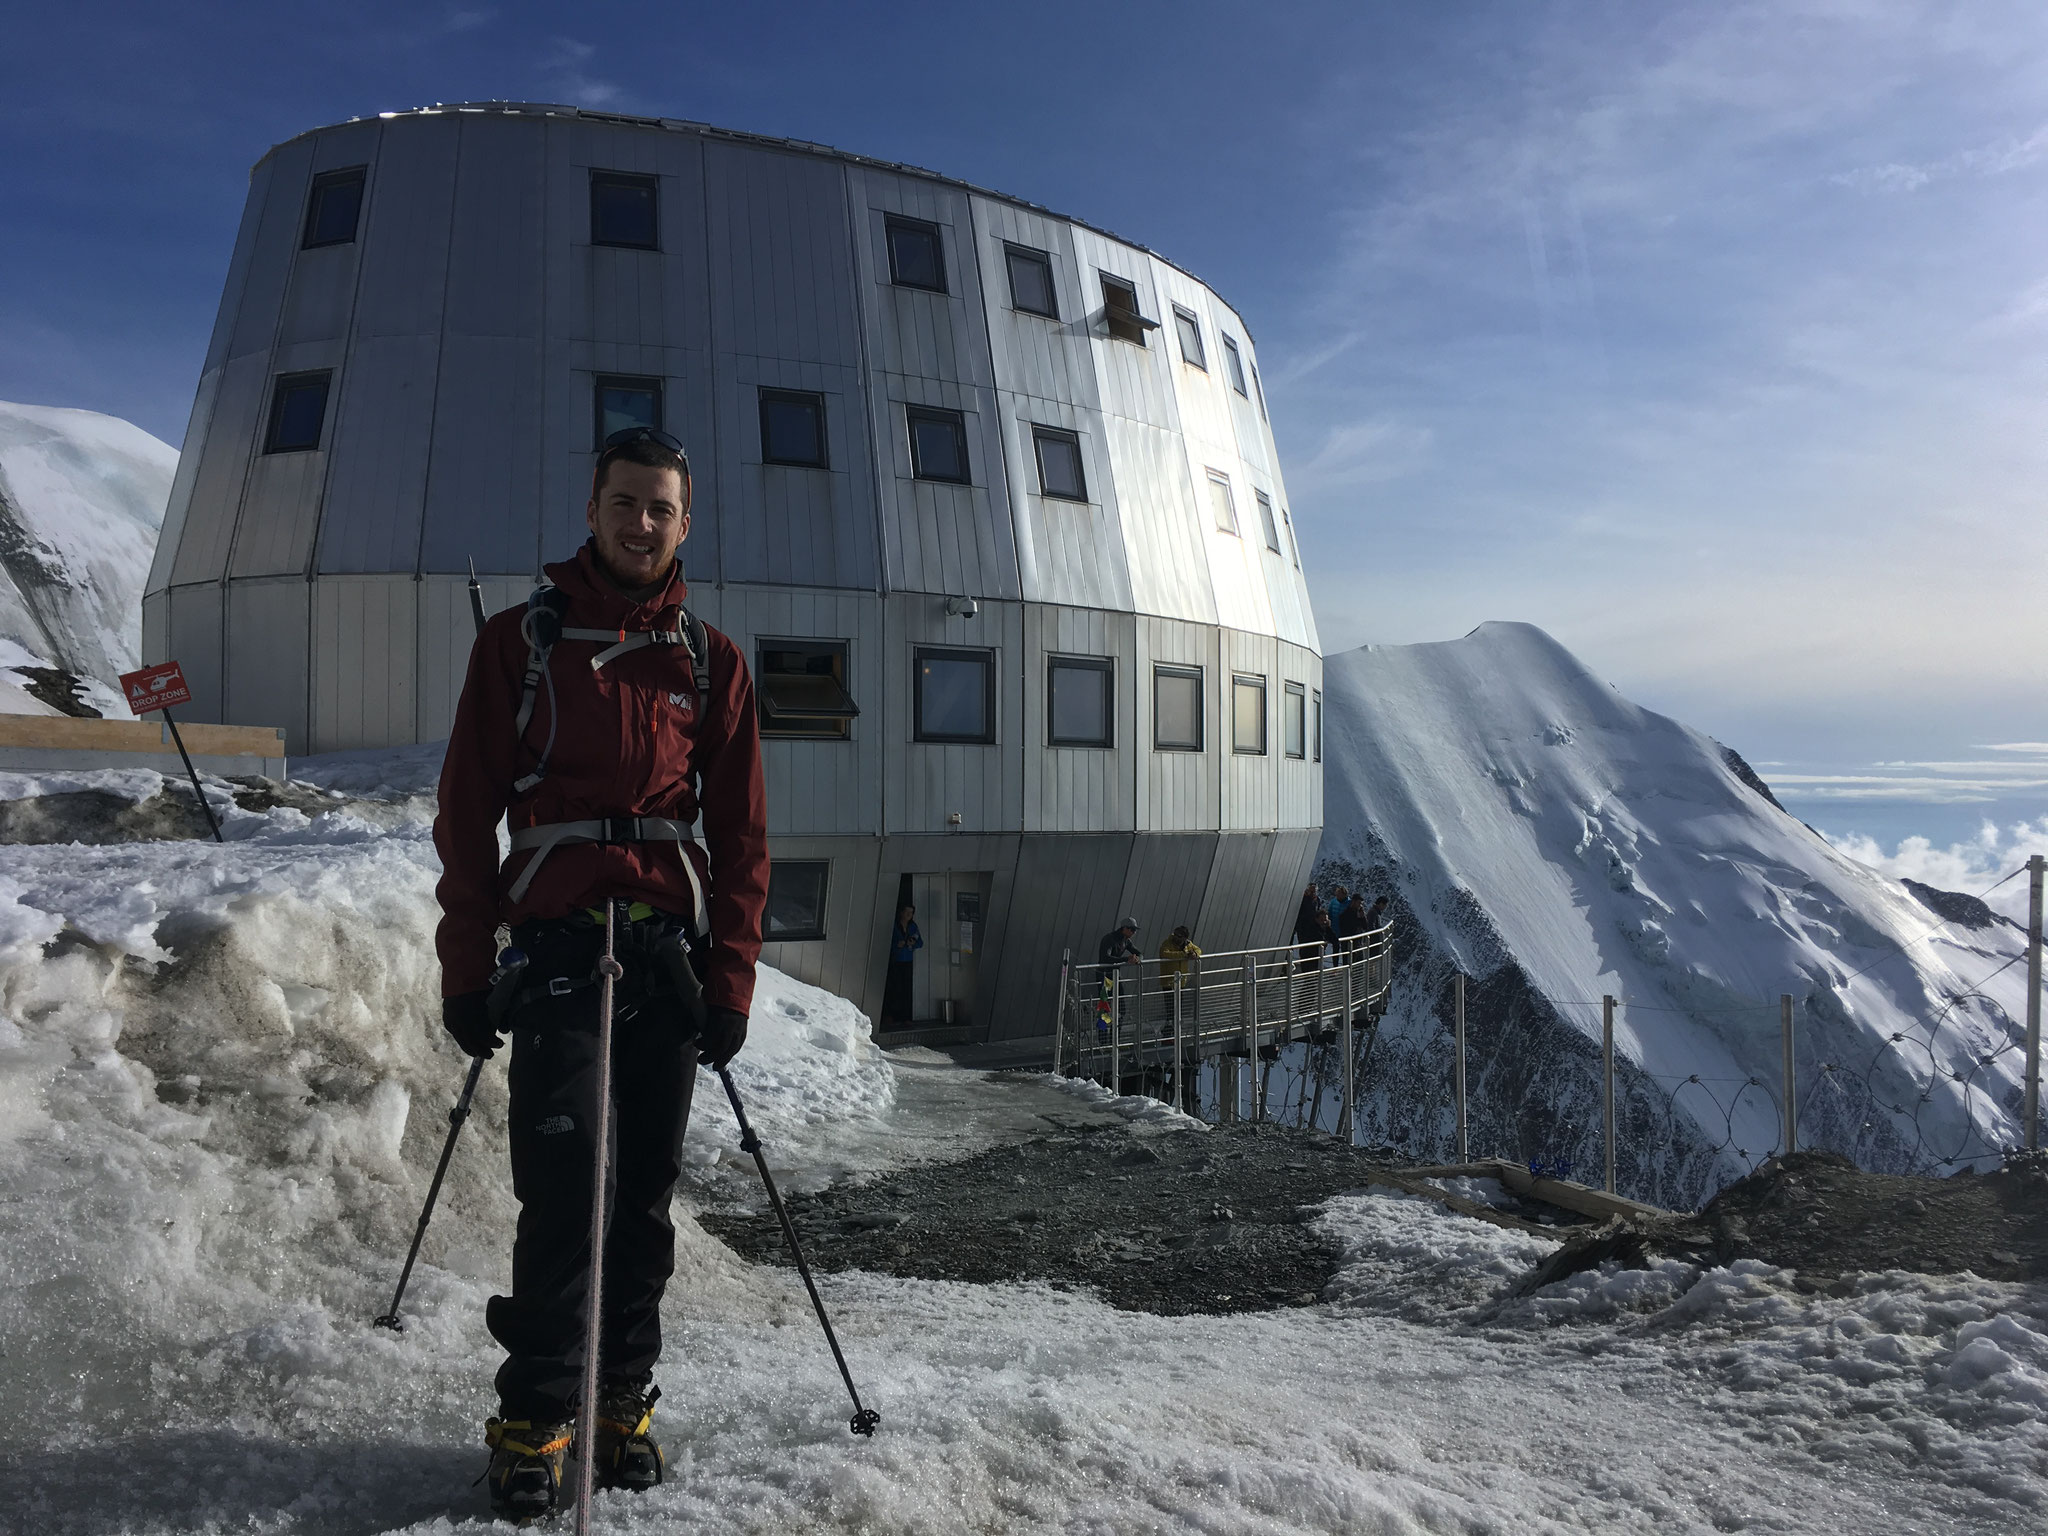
x=864, y=1419
x=609, y=970
x=456, y=1116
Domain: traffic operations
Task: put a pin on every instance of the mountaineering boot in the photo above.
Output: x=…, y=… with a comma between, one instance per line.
x=526, y=1466
x=624, y=1444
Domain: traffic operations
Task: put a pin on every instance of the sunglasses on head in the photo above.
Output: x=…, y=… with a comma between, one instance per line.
x=625, y=437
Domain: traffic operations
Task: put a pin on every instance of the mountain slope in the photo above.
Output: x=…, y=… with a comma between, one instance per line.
x=81, y=503
x=1556, y=843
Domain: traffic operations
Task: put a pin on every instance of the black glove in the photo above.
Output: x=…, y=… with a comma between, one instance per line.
x=467, y=1018
x=724, y=1032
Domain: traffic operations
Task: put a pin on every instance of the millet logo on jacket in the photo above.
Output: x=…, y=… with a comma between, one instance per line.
x=683, y=702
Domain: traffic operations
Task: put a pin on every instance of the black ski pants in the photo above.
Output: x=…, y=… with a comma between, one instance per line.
x=553, y=1120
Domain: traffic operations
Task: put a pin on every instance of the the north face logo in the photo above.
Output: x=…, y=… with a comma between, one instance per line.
x=554, y=1125
x=682, y=702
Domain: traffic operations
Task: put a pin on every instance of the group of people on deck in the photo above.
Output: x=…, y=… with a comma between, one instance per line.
x=1338, y=921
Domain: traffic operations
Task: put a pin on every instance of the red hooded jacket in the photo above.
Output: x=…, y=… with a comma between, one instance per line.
x=629, y=743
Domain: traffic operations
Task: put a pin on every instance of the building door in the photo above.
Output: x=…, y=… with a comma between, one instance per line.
x=952, y=913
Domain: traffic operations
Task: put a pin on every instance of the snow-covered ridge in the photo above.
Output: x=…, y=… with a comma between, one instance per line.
x=1556, y=842
x=82, y=500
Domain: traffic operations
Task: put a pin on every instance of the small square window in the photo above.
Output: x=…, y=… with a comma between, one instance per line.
x=1189, y=329
x=1177, y=709
x=1248, y=715
x=1120, y=311
x=1316, y=725
x=1031, y=287
x=297, y=412
x=801, y=686
x=1266, y=523
x=1260, y=390
x=622, y=210
x=917, y=256
x=796, y=900
x=792, y=428
x=1079, y=696
x=1221, y=502
x=1294, y=721
x=938, y=444
x=955, y=695
x=623, y=403
x=1293, y=544
x=1059, y=464
x=1236, y=366
x=334, y=207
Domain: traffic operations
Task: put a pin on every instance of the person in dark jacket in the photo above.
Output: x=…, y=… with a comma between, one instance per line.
x=904, y=943
x=1376, y=914
x=599, y=776
x=1306, y=929
x=1116, y=947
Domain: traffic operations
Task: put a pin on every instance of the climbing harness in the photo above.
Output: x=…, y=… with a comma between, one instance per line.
x=542, y=628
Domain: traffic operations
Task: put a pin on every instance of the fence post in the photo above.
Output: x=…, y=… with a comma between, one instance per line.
x=1290, y=999
x=1791, y=1115
x=1116, y=1029
x=1251, y=1030
x=1464, y=1145
x=1607, y=1083
x=1345, y=1084
x=1059, y=1015
x=2035, y=870
x=1180, y=1067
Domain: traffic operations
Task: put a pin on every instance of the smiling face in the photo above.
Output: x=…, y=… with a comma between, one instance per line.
x=638, y=517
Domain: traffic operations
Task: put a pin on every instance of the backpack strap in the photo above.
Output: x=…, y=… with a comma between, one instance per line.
x=542, y=628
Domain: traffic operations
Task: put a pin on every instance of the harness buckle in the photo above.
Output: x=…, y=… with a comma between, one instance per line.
x=560, y=986
x=620, y=829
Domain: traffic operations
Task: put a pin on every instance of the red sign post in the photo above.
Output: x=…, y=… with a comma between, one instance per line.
x=159, y=688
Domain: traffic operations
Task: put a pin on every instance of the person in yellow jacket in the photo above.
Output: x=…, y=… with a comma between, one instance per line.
x=1174, y=955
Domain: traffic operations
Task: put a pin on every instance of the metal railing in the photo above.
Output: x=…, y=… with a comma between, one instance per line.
x=1156, y=1020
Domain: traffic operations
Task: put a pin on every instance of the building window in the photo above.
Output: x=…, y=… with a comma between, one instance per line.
x=793, y=428
x=955, y=695
x=1316, y=726
x=334, y=207
x=917, y=258
x=622, y=403
x=1031, y=287
x=1120, y=311
x=1248, y=715
x=1294, y=720
x=1220, y=501
x=796, y=900
x=1266, y=523
x=1079, y=694
x=297, y=411
x=1177, y=709
x=622, y=211
x=801, y=686
x=1059, y=464
x=938, y=444
x=1293, y=544
x=1189, y=329
x=1236, y=366
x=1259, y=390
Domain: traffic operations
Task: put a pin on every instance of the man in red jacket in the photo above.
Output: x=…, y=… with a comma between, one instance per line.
x=600, y=750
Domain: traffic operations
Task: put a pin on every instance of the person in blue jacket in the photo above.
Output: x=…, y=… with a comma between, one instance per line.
x=904, y=943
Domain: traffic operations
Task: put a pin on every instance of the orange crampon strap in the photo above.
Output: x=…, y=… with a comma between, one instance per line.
x=498, y=1436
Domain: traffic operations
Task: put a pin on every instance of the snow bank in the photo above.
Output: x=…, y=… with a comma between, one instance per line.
x=82, y=500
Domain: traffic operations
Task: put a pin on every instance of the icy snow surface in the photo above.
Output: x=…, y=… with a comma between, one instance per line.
x=82, y=499
x=1613, y=851
x=222, y=1091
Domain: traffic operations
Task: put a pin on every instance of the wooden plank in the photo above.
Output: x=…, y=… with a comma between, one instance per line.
x=138, y=736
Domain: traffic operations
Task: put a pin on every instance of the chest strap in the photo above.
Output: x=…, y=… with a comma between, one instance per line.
x=544, y=839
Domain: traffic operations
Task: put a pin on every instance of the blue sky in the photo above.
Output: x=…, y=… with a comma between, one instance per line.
x=1709, y=337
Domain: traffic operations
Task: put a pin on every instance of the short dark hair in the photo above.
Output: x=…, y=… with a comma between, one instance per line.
x=644, y=452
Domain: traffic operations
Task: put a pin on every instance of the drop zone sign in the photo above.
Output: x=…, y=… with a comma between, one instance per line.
x=155, y=688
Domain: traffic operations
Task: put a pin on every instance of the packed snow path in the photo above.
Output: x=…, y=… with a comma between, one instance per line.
x=222, y=1091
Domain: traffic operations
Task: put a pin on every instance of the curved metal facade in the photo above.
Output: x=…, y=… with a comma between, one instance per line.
x=461, y=332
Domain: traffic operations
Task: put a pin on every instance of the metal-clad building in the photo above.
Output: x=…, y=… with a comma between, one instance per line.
x=988, y=497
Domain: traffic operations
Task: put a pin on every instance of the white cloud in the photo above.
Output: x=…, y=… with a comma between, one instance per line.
x=1364, y=453
x=564, y=65
x=1969, y=867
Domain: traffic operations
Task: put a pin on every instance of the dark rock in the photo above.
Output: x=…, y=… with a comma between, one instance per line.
x=1955, y=907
